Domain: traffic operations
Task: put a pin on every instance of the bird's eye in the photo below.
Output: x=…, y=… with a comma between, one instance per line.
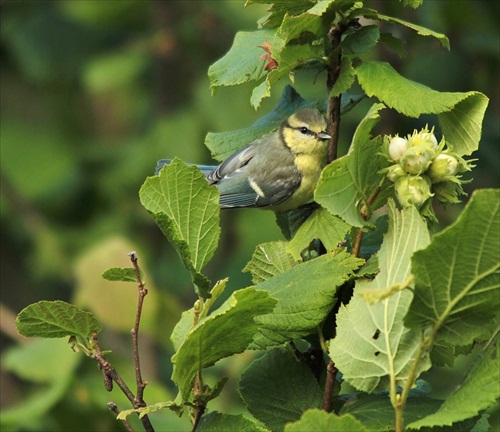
x=305, y=131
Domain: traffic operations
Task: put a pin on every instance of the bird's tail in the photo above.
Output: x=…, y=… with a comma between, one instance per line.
x=205, y=169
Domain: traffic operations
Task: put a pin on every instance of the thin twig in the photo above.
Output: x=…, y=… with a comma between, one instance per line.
x=109, y=370
x=141, y=385
x=112, y=407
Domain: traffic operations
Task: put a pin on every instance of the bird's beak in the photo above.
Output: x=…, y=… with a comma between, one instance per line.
x=324, y=136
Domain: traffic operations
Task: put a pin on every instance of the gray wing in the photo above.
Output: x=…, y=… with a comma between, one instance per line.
x=232, y=164
x=243, y=181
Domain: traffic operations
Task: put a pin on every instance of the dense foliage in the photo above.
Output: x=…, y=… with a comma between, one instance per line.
x=368, y=297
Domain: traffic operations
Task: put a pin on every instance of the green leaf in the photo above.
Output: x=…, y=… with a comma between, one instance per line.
x=186, y=323
x=279, y=9
x=225, y=332
x=396, y=44
x=289, y=387
x=263, y=90
x=223, y=144
x=373, y=14
x=142, y=411
x=186, y=209
x=289, y=58
x=122, y=274
x=56, y=319
x=330, y=229
x=318, y=420
x=457, y=276
x=345, y=79
x=361, y=40
x=268, y=260
x=372, y=347
x=346, y=184
x=219, y=422
x=462, y=126
x=242, y=63
x=305, y=294
x=478, y=392
x=377, y=413
x=413, y=99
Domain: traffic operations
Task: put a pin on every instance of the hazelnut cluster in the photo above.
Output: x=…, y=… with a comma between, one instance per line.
x=423, y=168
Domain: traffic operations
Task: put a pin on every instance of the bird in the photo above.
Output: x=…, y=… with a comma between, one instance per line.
x=278, y=171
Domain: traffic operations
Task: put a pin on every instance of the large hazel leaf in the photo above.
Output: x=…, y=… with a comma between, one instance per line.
x=225, y=332
x=462, y=126
x=346, y=184
x=373, y=347
x=241, y=64
x=373, y=14
x=289, y=387
x=56, y=319
x=479, y=391
x=305, y=294
x=457, y=278
x=186, y=209
x=460, y=114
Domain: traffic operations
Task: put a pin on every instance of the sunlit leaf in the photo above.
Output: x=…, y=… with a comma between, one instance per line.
x=478, y=392
x=457, y=278
x=347, y=183
x=462, y=126
x=305, y=294
x=372, y=346
x=56, y=319
x=225, y=332
x=186, y=209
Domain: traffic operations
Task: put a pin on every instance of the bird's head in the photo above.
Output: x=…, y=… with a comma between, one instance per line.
x=304, y=132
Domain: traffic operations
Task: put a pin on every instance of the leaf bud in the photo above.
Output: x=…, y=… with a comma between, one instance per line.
x=413, y=190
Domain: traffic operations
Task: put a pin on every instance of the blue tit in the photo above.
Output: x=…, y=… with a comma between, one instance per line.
x=278, y=171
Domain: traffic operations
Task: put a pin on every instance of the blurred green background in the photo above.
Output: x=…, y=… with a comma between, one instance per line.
x=93, y=93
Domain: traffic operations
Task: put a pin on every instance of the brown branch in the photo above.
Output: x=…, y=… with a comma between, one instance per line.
x=109, y=371
x=200, y=406
x=333, y=128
